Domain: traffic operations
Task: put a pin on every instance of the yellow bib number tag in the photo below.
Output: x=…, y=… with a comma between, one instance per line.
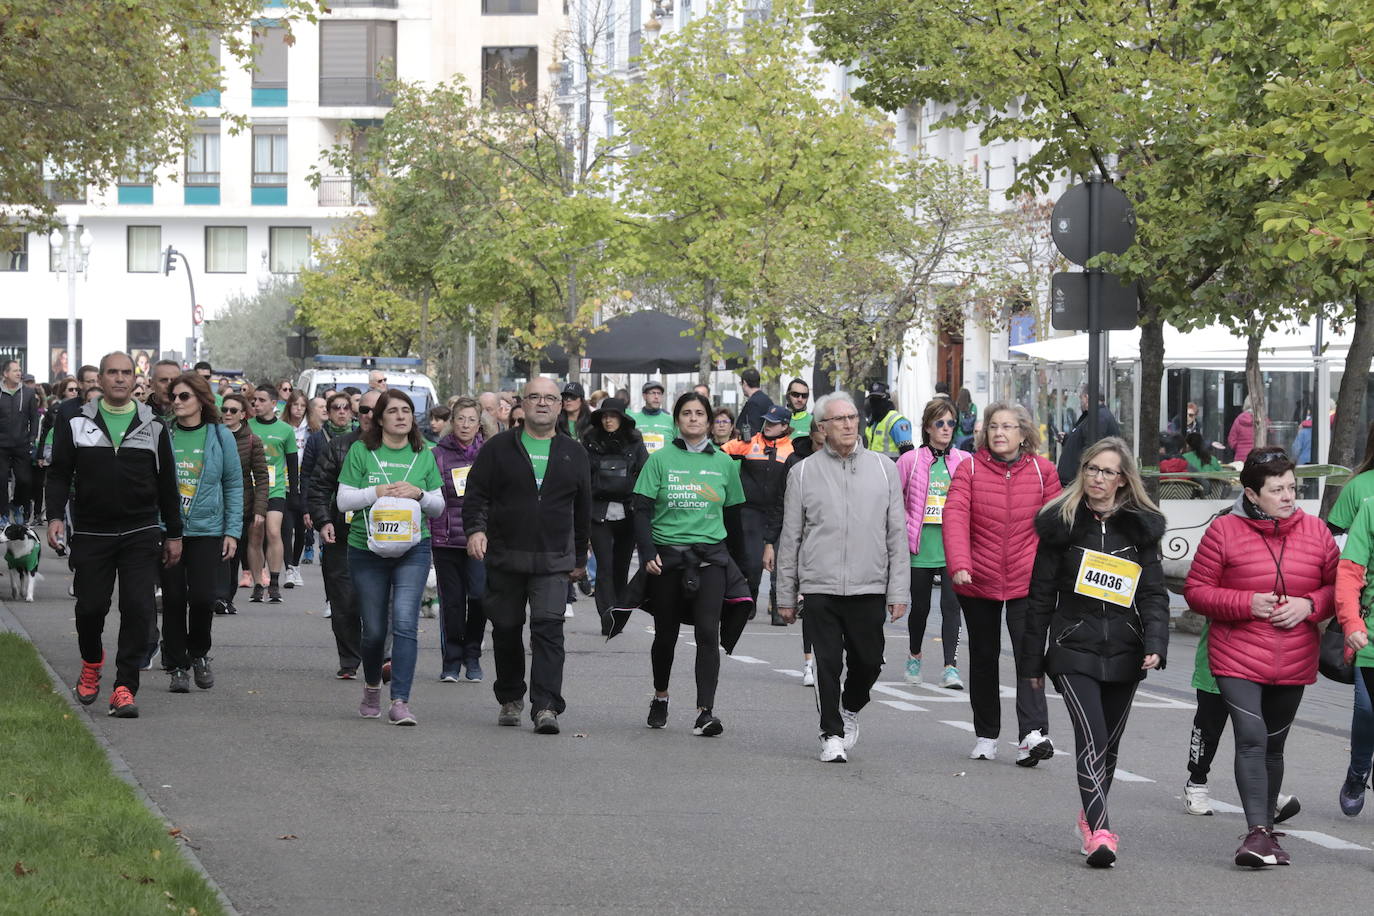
x=653, y=441
x=935, y=510
x=348, y=518
x=460, y=480
x=271, y=476
x=391, y=525
x=1107, y=578
x=188, y=493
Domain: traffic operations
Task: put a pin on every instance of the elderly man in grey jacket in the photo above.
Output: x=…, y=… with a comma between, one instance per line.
x=843, y=550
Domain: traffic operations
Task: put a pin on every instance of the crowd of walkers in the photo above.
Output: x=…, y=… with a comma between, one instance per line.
x=860, y=517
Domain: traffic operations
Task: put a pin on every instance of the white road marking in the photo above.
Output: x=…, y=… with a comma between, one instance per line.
x=1128, y=776
x=1227, y=807
x=894, y=692
x=902, y=704
x=749, y=660
x=965, y=726
x=788, y=671
x=938, y=694
x=1158, y=702
x=1322, y=839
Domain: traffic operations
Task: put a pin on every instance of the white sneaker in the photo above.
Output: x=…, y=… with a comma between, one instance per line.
x=984, y=749
x=832, y=750
x=328, y=611
x=851, y=728
x=950, y=679
x=568, y=611
x=1196, y=800
x=1034, y=748
x=809, y=673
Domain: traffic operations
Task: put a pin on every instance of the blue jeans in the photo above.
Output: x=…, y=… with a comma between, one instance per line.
x=1361, y=729
x=390, y=587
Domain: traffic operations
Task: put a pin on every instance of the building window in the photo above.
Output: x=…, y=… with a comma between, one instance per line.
x=510, y=76
x=202, y=156
x=269, y=57
x=269, y=155
x=636, y=42
x=17, y=257
x=61, y=186
x=226, y=249
x=14, y=342
x=288, y=249
x=352, y=57
x=510, y=7
x=145, y=249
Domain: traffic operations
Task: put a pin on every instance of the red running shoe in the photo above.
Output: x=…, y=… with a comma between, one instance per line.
x=122, y=704
x=88, y=685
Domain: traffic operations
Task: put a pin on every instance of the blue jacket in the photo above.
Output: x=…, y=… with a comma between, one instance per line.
x=217, y=508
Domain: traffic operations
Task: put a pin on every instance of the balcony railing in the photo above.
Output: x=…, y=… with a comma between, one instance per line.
x=354, y=90
x=354, y=4
x=341, y=192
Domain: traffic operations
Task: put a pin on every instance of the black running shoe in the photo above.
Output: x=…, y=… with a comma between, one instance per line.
x=708, y=726
x=274, y=594
x=658, y=712
x=257, y=594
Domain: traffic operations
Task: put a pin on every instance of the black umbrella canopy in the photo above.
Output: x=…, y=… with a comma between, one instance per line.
x=648, y=342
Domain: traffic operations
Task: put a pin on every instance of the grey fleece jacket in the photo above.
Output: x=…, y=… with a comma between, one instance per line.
x=843, y=529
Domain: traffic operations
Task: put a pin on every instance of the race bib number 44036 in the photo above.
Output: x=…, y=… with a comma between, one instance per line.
x=1107, y=578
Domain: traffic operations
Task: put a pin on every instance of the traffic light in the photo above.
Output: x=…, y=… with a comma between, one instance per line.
x=169, y=260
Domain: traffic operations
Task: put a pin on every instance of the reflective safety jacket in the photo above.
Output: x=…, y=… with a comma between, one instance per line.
x=764, y=464
x=888, y=435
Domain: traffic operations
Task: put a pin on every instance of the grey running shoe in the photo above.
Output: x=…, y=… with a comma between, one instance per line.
x=274, y=594
x=545, y=722
x=205, y=678
x=510, y=713
x=257, y=594
x=1351, y=798
x=371, y=706
x=181, y=681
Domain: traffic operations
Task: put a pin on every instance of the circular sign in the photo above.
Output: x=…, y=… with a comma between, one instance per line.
x=198, y=314
x=1069, y=223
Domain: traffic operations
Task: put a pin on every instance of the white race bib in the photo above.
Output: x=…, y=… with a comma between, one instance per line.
x=392, y=526
x=653, y=441
x=1107, y=578
x=271, y=476
x=460, y=480
x=935, y=510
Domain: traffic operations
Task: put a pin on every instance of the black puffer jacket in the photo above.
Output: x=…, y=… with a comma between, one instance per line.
x=616, y=460
x=1086, y=635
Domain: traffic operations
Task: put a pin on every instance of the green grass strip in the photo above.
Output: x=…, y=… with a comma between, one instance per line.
x=74, y=838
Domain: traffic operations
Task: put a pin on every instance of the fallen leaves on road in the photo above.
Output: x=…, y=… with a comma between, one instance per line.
x=175, y=831
x=580, y=735
x=20, y=870
x=960, y=773
x=288, y=836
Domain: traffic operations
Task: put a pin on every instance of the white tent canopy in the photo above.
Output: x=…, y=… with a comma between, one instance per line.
x=1210, y=347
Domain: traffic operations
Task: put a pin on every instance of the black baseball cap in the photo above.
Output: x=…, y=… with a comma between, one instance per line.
x=574, y=390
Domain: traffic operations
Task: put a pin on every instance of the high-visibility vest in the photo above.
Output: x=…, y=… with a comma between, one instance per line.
x=878, y=437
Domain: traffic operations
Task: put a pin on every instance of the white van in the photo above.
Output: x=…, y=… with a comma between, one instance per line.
x=339, y=372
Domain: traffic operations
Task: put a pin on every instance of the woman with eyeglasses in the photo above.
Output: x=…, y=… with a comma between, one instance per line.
x=462, y=579
x=722, y=426
x=990, y=543
x=253, y=466
x=210, y=483
x=389, y=554
x=925, y=473
x=1097, y=595
x=1264, y=575
x=296, y=414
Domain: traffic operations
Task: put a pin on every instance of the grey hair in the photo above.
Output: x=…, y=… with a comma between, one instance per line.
x=824, y=401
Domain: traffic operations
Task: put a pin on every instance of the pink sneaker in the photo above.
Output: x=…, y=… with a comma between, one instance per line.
x=1102, y=849
x=371, y=706
x=1085, y=832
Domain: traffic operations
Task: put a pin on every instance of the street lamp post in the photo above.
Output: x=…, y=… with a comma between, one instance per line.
x=73, y=255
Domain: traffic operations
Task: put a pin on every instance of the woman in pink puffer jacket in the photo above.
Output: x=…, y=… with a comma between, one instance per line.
x=1265, y=575
x=990, y=545
x=925, y=473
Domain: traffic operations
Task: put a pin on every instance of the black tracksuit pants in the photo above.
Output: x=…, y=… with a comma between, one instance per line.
x=670, y=605
x=136, y=559
x=846, y=632
x=189, y=590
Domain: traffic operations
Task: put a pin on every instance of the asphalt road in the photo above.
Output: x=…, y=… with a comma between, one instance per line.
x=297, y=806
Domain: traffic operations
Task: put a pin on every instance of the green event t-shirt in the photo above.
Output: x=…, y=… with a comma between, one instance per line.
x=188, y=446
x=1359, y=548
x=278, y=441
x=932, y=555
x=657, y=429
x=1353, y=495
x=365, y=468
x=1195, y=463
x=801, y=424
x=1203, y=679
x=539, y=455
x=690, y=491
x=118, y=420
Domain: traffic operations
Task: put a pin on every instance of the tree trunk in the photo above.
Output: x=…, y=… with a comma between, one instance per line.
x=1151, y=383
x=772, y=361
x=424, y=328
x=1350, y=402
x=1254, y=384
x=574, y=351
x=490, y=377
x=704, y=354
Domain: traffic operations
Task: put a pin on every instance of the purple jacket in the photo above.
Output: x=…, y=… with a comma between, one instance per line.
x=447, y=529
x=914, y=470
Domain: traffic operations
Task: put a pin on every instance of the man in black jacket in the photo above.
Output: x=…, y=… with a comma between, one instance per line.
x=1076, y=439
x=322, y=510
x=756, y=404
x=118, y=456
x=527, y=514
x=18, y=430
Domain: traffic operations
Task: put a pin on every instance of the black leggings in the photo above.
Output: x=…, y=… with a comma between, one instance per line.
x=1098, y=711
x=922, y=581
x=1261, y=716
x=1208, y=723
x=669, y=603
x=292, y=533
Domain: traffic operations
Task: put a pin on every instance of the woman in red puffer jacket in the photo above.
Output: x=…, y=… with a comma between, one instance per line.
x=990, y=545
x=1265, y=575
